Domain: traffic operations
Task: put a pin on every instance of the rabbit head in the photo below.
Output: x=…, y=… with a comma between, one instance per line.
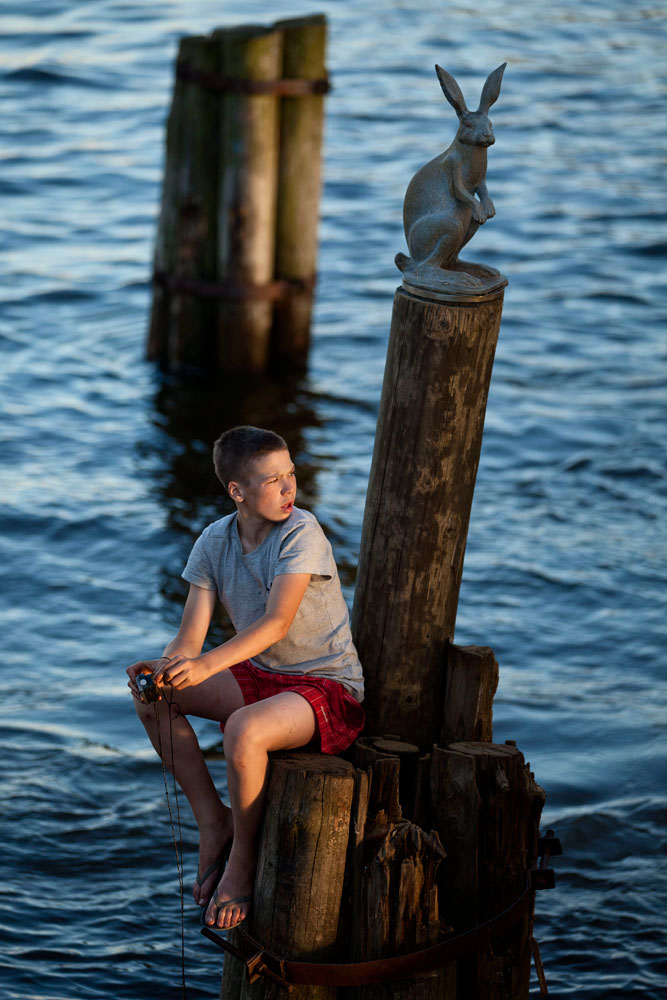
x=475, y=128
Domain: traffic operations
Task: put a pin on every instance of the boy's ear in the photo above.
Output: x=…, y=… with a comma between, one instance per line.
x=235, y=491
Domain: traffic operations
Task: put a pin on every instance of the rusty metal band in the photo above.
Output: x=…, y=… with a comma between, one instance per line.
x=233, y=291
x=289, y=87
x=262, y=962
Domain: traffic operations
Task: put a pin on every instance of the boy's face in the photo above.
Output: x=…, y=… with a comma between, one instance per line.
x=268, y=489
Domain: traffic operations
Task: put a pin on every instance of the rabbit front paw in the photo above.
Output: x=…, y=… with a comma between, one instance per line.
x=479, y=212
x=489, y=208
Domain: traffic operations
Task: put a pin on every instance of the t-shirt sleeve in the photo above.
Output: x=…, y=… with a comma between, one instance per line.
x=198, y=569
x=306, y=550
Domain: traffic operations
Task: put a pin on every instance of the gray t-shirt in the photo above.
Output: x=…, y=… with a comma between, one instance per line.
x=319, y=641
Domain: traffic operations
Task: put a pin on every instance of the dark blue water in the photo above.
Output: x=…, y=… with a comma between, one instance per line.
x=105, y=468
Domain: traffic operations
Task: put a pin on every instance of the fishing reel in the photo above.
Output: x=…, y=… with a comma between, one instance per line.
x=148, y=689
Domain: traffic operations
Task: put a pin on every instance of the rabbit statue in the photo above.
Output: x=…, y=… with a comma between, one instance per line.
x=441, y=213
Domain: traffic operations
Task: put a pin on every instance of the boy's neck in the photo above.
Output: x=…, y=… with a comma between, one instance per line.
x=252, y=530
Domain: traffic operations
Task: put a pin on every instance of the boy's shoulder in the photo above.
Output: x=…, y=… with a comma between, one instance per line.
x=300, y=546
x=300, y=516
x=301, y=523
x=218, y=530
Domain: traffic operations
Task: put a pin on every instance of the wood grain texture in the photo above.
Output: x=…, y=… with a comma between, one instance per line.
x=487, y=809
x=395, y=906
x=299, y=183
x=471, y=680
x=420, y=491
x=181, y=327
x=299, y=883
x=246, y=212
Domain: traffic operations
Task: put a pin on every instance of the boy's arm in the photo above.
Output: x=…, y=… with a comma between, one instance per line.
x=189, y=639
x=195, y=623
x=185, y=669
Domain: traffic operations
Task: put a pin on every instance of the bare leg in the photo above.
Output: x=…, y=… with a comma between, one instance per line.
x=215, y=699
x=282, y=722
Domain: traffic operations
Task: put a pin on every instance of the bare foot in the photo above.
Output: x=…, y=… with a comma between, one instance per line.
x=230, y=903
x=214, y=844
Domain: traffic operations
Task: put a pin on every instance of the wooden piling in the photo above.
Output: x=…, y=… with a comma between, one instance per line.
x=486, y=808
x=182, y=324
x=235, y=256
x=471, y=679
x=395, y=907
x=299, y=181
x=427, y=446
x=248, y=151
x=299, y=884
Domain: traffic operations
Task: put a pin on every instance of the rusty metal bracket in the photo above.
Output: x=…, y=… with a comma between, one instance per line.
x=287, y=87
x=258, y=960
x=232, y=291
x=544, y=877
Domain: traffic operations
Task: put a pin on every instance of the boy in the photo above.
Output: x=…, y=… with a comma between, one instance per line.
x=290, y=674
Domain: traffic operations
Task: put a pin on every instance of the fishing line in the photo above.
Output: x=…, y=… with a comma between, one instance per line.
x=178, y=841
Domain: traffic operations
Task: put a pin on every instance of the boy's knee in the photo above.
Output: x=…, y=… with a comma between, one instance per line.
x=145, y=712
x=242, y=733
x=148, y=712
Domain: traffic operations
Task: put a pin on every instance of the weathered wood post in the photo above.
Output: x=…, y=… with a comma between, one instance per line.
x=299, y=181
x=420, y=491
x=248, y=184
x=237, y=237
x=487, y=806
x=396, y=908
x=299, y=883
x=182, y=324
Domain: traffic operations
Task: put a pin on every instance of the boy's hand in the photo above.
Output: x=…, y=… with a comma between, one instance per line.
x=142, y=667
x=181, y=672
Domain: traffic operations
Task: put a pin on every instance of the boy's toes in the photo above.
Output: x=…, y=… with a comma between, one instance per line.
x=227, y=913
x=205, y=883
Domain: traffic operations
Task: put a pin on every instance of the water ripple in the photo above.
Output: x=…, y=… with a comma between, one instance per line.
x=106, y=477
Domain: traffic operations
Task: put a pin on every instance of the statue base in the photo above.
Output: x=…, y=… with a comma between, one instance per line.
x=467, y=282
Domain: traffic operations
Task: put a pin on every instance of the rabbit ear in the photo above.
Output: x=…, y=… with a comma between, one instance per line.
x=452, y=91
x=491, y=89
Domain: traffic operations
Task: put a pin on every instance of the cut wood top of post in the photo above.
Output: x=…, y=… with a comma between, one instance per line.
x=315, y=762
x=394, y=746
x=485, y=749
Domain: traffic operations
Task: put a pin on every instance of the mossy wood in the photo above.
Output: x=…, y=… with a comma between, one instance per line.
x=427, y=447
x=443, y=825
x=299, y=182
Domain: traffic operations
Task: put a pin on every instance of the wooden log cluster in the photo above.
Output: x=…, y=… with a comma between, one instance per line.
x=389, y=854
x=236, y=245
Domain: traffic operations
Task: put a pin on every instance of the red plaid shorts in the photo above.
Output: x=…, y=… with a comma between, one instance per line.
x=340, y=717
